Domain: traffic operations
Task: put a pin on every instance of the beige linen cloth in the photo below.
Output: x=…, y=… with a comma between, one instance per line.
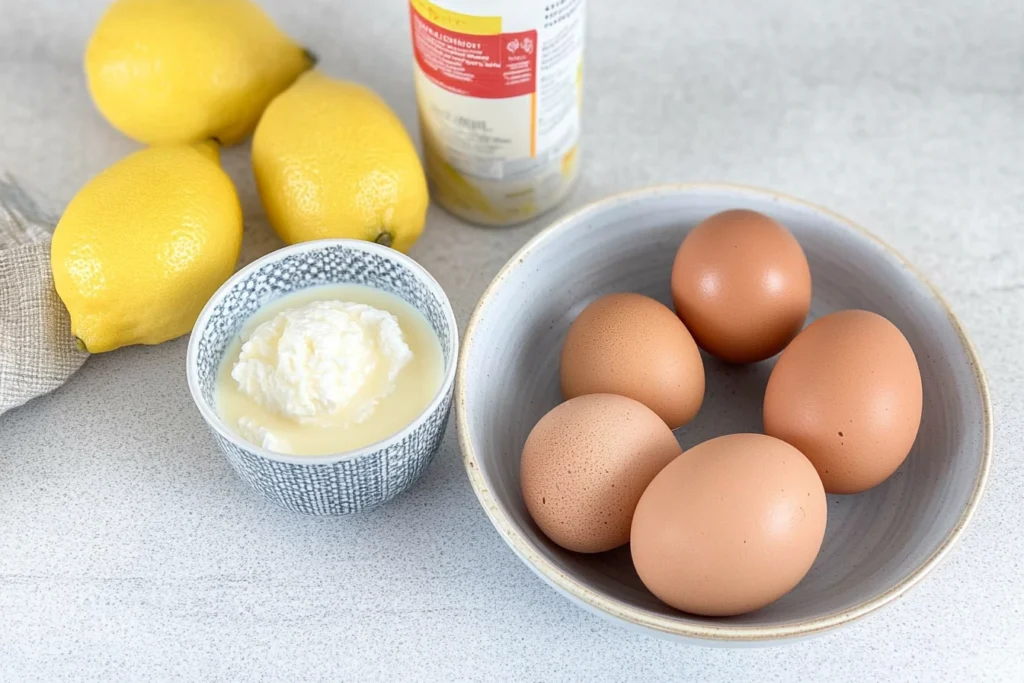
x=37, y=349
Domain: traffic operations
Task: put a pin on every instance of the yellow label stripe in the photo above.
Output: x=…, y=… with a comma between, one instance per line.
x=457, y=21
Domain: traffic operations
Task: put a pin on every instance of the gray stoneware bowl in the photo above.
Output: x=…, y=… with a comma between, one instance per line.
x=344, y=482
x=878, y=544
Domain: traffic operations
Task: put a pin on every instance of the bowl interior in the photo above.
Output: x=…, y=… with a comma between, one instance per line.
x=875, y=543
x=311, y=264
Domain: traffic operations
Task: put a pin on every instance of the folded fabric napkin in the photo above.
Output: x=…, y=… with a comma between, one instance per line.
x=37, y=350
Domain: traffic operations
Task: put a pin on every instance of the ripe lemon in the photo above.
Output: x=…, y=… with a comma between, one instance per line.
x=143, y=246
x=166, y=71
x=332, y=160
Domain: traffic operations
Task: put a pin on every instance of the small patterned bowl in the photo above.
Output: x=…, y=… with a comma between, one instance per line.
x=340, y=483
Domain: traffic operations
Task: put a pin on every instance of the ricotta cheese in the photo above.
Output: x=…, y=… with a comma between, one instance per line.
x=320, y=361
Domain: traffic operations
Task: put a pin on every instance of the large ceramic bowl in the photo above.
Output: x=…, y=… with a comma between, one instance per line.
x=878, y=544
x=345, y=482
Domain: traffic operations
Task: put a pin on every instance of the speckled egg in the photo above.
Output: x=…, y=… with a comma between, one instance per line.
x=847, y=393
x=585, y=465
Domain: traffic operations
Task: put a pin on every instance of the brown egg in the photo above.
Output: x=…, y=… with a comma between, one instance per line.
x=847, y=394
x=632, y=345
x=741, y=284
x=585, y=465
x=729, y=526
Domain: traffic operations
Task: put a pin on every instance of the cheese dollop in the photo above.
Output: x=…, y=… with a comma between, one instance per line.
x=322, y=361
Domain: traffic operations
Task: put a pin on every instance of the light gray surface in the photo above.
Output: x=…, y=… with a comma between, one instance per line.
x=876, y=542
x=129, y=550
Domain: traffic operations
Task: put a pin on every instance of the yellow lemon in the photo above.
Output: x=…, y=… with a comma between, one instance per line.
x=332, y=160
x=143, y=246
x=166, y=71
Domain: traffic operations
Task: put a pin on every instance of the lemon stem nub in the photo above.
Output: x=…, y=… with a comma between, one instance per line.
x=311, y=57
x=384, y=239
x=209, y=148
x=80, y=345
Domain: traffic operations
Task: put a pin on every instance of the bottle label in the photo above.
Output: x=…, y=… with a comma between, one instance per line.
x=490, y=66
x=499, y=96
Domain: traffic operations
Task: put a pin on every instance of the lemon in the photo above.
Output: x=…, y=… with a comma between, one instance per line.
x=332, y=160
x=144, y=244
x=167, y=71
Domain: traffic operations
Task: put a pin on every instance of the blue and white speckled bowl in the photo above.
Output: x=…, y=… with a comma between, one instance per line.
x=340, y=483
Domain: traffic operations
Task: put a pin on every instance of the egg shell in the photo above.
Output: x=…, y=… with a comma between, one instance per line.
x=847, y=393
x=632, y=345
x=585, y=465
x=742, y=286
x=729, y=526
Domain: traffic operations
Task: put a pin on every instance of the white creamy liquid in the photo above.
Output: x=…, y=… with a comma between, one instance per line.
x=329, y=369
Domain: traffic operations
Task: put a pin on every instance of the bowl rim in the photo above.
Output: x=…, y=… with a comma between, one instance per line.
x=598, y=602
x=214, y=420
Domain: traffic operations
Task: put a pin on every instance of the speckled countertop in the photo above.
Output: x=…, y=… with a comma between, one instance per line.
x=129, y=550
